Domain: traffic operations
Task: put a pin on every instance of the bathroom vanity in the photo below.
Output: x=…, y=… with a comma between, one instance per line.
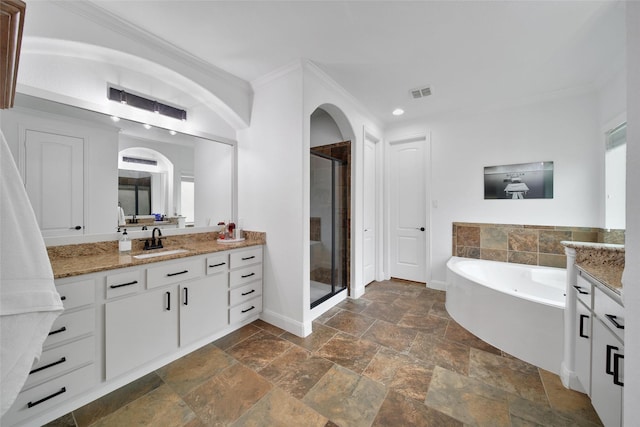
x=594, y=327
x=125, y=317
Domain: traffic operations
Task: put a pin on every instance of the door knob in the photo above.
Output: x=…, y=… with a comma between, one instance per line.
x=77, y=227
x=421, y=228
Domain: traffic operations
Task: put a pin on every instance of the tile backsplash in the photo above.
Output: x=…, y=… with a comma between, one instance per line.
x=524, y=244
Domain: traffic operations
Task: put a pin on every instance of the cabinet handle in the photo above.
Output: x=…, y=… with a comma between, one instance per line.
x=616, y=369
x=179, y=272
x=610, y=350
x=186, y=296
x=123, y=284
x=42, y=368
x=248, y=258
x=613, y=319
x=580, y=291
x=168, y=294
x=582, y=317
x=249, y=309
x=44, y=399
x=218, y=265
x=248, y=275
x=57, y=331
x=247, y=293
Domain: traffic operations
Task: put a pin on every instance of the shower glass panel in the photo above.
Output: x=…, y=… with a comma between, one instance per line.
x=328, y=227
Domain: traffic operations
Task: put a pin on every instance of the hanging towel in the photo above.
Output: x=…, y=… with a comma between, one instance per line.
x=29, y=302
x=121, y=220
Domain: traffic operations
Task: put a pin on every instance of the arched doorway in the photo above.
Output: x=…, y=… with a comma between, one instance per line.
x=330, y=205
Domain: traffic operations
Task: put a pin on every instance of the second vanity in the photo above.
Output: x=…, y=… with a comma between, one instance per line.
x=594, y=327
x=125, y=317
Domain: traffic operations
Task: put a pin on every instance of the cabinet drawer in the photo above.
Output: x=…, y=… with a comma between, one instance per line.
x=217, y=263
x=61, y=359
x=244, y=293
x=584, y=290
x=609, y=311
x=77, y=294
x=128, y=282
x=242, y=258
x=174, y=272
x=50, y=394
x=245, y=310
x=71, y=325
x=245, y=275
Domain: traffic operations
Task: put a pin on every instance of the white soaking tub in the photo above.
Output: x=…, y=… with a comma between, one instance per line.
x=514, y=307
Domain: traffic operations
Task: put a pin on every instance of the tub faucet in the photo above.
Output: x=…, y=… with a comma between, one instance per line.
x=155, y=243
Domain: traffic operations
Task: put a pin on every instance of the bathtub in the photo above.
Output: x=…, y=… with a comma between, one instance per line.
x=514, y=307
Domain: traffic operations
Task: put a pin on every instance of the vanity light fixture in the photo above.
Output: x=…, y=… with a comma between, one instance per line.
x=398, y=112
x=138, y=101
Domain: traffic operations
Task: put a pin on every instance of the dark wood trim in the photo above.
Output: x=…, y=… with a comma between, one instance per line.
x=11, y=25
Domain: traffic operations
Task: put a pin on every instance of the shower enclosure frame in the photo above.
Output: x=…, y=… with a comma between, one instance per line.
x=338, y=284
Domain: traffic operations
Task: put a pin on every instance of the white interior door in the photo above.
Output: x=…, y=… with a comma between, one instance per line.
x=54, y=180
x=408, y=216
x=370, y=192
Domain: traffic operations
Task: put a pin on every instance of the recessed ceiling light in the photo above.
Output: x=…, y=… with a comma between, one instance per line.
x=398, y=112
x=147, y=126
x=115, y=118
x=172, y=132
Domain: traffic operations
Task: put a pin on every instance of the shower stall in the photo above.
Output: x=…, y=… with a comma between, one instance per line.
x=329, y=225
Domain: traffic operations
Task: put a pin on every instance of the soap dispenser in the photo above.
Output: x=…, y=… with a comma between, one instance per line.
x=124, y=245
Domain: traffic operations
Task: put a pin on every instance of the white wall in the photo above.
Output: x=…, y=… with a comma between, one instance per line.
x=565, y=131
x=271, y=191
x=273, y=182
x=101, y=161
x=631, y=278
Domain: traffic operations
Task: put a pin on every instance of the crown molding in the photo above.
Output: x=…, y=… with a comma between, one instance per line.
x=276, y=74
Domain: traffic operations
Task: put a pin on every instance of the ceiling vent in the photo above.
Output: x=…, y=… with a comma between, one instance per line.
x=420, y=92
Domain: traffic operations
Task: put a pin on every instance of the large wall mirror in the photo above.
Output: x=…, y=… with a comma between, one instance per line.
x=615, y=177
x=123, y=168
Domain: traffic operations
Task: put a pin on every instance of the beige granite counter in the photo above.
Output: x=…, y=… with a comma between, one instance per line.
x=74, y=260
x=603, y=262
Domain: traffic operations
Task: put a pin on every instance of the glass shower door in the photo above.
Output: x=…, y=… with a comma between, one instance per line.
x=328, y=235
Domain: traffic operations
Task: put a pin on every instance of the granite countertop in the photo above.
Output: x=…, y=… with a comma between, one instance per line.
x=74, y=260
x=602, y=261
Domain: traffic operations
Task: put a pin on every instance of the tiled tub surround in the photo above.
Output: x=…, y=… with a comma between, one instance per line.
x=72, y=260
x=524, y=244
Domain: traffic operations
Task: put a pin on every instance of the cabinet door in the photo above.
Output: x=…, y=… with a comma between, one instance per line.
x=140, y=328
x=54, y=179
x=607, y=370
x=203, y=307
x=582, y=340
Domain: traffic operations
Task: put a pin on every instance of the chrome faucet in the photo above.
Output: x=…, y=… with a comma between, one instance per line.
x=155, y=243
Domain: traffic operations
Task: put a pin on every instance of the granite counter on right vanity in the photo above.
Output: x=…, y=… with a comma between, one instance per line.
x=594, y=326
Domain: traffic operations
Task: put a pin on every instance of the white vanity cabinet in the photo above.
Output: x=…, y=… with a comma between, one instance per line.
x=203, y=307
x=599, y=346
x=139, y=329
x=68, y=365
x=121, y=324
x=245, y=284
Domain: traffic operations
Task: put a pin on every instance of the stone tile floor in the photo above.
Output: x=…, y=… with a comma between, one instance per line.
x=392, y=358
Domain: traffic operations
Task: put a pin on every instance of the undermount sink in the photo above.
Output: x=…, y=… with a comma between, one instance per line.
x=160, y=253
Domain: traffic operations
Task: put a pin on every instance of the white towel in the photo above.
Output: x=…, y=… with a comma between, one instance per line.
x=29, y=302
x=121, y=220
